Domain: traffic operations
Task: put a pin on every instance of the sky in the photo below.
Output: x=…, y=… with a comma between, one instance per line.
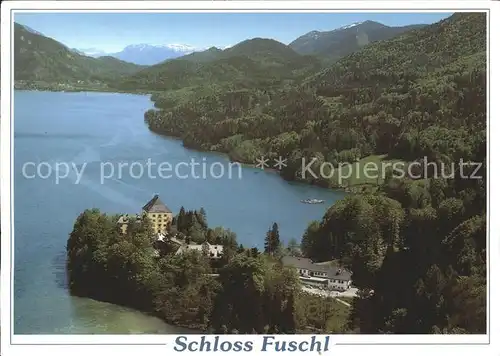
x=111, y=32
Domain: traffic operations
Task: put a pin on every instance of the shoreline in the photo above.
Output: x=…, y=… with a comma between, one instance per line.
x=349, y=190
x=168, y=318
x=26, y=87
x=220, y=153
x=144, y=312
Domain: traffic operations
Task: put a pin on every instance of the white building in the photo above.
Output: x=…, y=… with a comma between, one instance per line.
x=319, y=275
x=213, y=251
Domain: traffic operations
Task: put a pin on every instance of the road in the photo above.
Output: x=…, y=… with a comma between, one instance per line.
x=350, y=293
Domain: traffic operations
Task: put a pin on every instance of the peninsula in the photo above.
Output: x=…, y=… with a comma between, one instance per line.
x=179, y=269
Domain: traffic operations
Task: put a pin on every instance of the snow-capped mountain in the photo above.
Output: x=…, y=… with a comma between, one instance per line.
x=147, y=54
x=344, y=40
x=317, y=34
x=349, y=26
x=143, y=53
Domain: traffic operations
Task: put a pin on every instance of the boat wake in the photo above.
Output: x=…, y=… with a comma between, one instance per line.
x=312, y=201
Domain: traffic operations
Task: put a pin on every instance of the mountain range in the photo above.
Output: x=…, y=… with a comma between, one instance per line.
x=347, y=39
x=258, y=60
x=147, y=54
x=255, y=62
x=329, y=44
x=144, y=54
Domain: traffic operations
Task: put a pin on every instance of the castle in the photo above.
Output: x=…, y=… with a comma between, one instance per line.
x=161, y=218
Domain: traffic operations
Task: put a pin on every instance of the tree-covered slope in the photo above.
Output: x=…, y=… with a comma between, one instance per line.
x=420, y=94
x=417, y=248
x=40, y=58
x=243, y=292
x=416, y=241
x=346, y=40
x=409, y=56
x=252, y=63
x=208, y=55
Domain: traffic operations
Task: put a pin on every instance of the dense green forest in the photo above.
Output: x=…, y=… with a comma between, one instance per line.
x=252, y=294
x=417, y=249
x=419, y=94
x=416, y=245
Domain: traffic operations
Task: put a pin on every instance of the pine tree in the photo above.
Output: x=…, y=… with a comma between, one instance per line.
x=272, y=241
x=202, y=218
x=268, y=243
x=275, y=238
x=181, y=220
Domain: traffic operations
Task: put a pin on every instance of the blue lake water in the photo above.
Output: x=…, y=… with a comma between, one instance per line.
x=104, y=141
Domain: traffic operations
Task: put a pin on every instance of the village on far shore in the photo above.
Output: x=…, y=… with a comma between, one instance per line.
x=322, y=278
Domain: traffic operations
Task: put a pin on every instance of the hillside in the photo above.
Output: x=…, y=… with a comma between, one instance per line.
x=252, y=63
x=265, y=50
x=208, y=55
x=428, y=83
x=418, y=97
x=413, y=55
x=346, y=40
x=41, y=59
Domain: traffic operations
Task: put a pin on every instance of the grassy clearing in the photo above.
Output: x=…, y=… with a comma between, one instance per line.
x=324, y=313
x=367, y=173
x=338, y=318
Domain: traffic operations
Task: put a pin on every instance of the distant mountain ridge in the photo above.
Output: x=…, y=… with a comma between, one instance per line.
x=203, y=56
x=347, y=39
x=253, y=62
x=172, y=66
x=262, y=60
x=42, y=59
x=331, y=44
x=147, y=54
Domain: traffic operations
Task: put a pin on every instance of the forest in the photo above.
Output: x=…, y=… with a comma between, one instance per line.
x=420, y=94
x=416, y=246
x=253, y=292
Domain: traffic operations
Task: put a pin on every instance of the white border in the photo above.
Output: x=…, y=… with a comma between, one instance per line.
x=234, y=6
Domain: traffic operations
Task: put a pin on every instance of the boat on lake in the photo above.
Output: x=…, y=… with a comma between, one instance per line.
x=312, y=201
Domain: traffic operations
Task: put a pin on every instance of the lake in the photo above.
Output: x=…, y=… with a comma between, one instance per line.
x=106, y=158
